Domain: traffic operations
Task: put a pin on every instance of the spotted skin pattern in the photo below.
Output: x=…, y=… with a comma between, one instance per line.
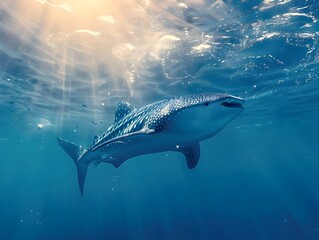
x=152, y=117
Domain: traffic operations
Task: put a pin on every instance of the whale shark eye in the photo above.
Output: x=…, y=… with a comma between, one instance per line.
x=206, y=103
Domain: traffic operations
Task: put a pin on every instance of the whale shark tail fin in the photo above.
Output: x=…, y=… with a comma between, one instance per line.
x=75, y=152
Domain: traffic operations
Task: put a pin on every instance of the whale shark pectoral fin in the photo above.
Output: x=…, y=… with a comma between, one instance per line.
x=191, y=154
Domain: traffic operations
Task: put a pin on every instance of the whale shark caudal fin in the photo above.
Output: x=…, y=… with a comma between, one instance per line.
x=76, y=152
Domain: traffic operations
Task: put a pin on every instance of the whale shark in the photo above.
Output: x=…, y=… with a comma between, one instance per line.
x=175, y=124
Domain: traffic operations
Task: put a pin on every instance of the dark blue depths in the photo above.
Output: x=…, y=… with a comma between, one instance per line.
x=256, y=183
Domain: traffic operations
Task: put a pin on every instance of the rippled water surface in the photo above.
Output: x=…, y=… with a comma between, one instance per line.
x=64, y=65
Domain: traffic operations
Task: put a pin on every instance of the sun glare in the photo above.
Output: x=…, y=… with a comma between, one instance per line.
x=95, y=47
x=96, y=33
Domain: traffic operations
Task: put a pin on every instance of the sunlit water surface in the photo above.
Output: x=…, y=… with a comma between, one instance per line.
x=64, y=65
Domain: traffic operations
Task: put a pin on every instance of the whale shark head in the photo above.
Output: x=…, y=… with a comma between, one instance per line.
x=201, y=115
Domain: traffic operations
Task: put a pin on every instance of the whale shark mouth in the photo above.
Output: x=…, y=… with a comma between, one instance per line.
x=233, y=104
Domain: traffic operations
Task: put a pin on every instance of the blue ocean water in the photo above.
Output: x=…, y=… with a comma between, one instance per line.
x=64, y=65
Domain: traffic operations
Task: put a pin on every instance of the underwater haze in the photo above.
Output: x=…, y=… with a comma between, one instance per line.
x=65, y=65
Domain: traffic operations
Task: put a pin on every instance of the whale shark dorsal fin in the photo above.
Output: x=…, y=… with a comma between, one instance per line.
x=191, y=154
x=123, y=108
